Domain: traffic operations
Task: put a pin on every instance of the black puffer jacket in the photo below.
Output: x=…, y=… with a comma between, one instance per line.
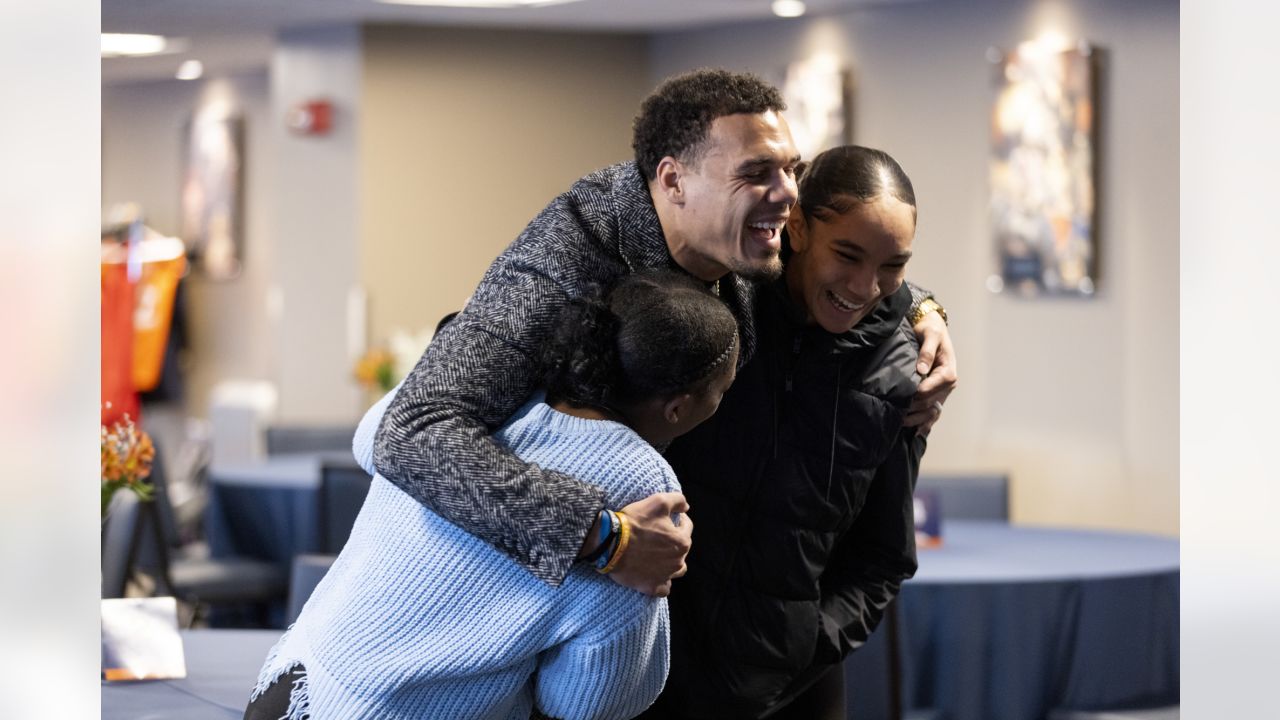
x=800, y=491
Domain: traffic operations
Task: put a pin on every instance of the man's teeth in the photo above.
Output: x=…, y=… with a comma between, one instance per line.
x=767, y=225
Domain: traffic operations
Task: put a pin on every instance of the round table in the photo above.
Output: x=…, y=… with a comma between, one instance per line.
x=222, y=667
x=1007, y=622
x=270, y=509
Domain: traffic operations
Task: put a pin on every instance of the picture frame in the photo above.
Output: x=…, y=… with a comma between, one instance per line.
x=1043, y=188
x=212, y=194
x=818, y=91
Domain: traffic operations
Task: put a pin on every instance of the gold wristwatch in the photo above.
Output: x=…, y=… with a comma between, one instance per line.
x=925, y=307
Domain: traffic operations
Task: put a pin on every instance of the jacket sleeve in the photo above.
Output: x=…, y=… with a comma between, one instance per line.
x=434, y=442
x=918, y=295
x=613, y=676
x=874, y=557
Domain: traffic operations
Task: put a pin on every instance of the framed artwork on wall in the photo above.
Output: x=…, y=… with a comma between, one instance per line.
x=212, y=205
x=819, y=96
x=1042, y=171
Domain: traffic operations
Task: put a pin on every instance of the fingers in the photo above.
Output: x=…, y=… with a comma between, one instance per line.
x=684, y=539
x=926, y=408
x=928, y=350
x=932, y=383
x=916, y=415
x=932, y=331
x=925, y=398
x=941, y=377
x=664, y=503
x=937, y=385
x=924, y=419
x=661, y=536
x=686, y=522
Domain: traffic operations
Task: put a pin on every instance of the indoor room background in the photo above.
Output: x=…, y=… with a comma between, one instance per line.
x=447, y=140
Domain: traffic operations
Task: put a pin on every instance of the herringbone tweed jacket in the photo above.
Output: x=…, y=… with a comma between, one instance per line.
x=434, y=442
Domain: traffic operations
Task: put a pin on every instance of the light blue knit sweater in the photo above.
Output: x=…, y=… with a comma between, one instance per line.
x=418, y=619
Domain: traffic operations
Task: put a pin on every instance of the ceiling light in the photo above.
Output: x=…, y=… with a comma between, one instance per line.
x=190, y=70
x=478, y=3
x=788, y=8
x=121, y=44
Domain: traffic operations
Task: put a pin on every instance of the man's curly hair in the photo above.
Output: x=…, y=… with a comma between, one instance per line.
x=676, y=118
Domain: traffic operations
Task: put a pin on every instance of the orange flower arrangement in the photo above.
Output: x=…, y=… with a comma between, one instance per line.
x=127, y=453
x=376, y=369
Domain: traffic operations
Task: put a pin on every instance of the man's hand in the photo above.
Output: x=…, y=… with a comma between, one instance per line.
x=937, y=365
x=656, y=552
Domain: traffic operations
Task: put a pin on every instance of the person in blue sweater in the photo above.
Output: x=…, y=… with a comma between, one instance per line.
x=418, y=619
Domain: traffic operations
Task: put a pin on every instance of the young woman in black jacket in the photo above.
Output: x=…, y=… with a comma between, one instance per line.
x=800, y=487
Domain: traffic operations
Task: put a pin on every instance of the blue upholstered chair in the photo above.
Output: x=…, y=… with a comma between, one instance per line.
x=134, y=530
x=343, y=488
x=308, y=571
x=119, y=543
x=284, y=439
x=969, y=497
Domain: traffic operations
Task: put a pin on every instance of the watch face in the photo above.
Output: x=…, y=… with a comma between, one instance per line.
x=930, y=305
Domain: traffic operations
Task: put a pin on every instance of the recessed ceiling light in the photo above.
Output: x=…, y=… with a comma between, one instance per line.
x=190, y=70
x=136, y=45
x=788, y=8
x=118, y=44
x=478, y=3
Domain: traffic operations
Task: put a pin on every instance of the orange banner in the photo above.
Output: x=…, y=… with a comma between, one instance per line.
x=152, y=316
x=118, y=395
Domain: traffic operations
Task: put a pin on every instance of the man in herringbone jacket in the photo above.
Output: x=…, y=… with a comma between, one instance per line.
x=711, y=187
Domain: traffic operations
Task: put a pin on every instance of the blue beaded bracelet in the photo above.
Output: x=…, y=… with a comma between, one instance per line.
x=609, y=541
x=608, y=522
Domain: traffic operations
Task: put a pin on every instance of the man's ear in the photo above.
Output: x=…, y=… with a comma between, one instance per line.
x=668, y=180
x=797, y=230
x=674, y=409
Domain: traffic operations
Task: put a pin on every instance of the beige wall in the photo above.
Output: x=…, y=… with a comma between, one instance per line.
x=315, y=202
x=465, y=136
x=1077, y=399
x=446, y=143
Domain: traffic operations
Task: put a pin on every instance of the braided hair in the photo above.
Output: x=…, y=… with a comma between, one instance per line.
x=655, y=333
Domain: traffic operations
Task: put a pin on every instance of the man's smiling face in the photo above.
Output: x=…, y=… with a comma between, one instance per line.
x=737, y=194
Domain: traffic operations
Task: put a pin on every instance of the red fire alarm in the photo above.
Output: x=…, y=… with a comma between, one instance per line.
x=310, y=117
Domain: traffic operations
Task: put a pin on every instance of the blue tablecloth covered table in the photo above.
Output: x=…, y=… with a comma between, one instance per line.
x=1007, y=622
x=222, y=666
x=269, y=509
x=1001, y=623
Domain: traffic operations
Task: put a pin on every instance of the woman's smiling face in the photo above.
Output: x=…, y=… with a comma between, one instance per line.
x=845, y=263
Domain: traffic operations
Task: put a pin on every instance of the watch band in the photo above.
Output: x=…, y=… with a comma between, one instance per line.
x=925, y=307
